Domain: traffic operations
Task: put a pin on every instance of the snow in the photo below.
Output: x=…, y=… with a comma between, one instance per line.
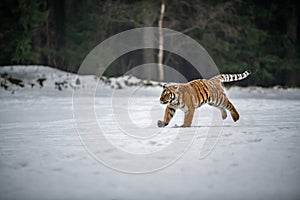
x=42, y=155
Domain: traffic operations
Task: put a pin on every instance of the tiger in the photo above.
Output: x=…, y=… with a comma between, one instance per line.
x=189, y=96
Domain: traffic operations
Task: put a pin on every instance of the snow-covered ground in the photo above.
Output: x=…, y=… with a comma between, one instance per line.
x=43, y=157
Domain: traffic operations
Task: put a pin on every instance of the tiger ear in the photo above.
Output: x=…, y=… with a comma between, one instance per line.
x=165, y=85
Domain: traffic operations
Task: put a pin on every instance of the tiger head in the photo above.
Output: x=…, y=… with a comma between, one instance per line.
x=168, y=94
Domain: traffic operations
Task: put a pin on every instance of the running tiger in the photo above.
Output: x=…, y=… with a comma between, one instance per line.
x=191, y=95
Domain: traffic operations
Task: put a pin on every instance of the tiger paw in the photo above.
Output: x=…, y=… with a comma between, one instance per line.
x=235, y=116
x=224, y=115
x=184, y=126
x=161, y=123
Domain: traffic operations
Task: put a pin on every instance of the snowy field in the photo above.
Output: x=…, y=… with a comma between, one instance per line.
x=43, y=157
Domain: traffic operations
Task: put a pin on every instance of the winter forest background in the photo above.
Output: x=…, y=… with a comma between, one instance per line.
x=263, y=35
x=69, y=135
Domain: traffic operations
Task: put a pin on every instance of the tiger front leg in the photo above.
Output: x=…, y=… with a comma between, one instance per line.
x=188, y=117
x=169, y=113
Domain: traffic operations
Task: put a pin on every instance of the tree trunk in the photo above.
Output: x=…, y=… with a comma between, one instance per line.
x=48, y=38
x=58, y=19
x=161, y=42
x=291, y=76
x=148, y=54
x=291, y=33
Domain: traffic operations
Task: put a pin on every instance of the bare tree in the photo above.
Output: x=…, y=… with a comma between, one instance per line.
x=149, y=54
x=161, y=42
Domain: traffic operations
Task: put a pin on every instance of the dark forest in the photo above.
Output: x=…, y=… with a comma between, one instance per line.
x=239, y=35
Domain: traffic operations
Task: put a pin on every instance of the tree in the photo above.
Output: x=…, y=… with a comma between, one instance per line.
x=161, y=42
x=237, y=34
x=20, y=21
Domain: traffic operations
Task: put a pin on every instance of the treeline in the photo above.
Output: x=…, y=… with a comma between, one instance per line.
x=253, y=34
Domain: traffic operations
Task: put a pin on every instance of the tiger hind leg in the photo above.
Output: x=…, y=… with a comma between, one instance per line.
x=223, y=103
x=234, y=114
x=222, y=110
x=223, y=113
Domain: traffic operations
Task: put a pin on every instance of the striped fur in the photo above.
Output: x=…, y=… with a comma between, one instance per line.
x=232, y=77
x=191, y=95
